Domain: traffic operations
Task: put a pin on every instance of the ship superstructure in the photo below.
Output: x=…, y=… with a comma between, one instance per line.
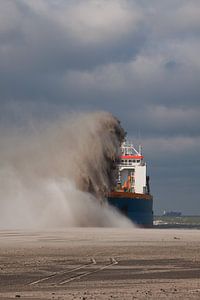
x=131, y=194
x=132, y=174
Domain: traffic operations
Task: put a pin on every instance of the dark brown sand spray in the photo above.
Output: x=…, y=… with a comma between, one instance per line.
x=57, y=173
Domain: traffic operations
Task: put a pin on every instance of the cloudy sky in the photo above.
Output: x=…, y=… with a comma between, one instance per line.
x=138, y=59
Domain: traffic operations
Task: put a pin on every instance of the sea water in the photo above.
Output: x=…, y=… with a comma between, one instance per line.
x=184, y=222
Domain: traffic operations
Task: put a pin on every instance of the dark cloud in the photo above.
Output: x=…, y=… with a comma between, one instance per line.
x=136, y=59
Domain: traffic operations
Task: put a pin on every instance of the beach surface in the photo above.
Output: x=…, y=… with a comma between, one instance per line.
x=100, y=263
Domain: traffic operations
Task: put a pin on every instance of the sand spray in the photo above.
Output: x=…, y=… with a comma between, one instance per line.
x=56, y=174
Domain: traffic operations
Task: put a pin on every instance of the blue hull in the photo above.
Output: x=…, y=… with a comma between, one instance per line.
x=138, y=210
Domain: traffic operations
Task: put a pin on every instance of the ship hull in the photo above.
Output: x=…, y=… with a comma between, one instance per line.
x=137, y=207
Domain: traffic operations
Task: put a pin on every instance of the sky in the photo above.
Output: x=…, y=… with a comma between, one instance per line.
x=139, y=60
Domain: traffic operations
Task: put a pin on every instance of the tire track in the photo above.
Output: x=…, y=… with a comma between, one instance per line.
x=93, y=262
x=112, y=263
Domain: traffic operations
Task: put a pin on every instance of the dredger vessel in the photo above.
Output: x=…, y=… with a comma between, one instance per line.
x=131, y=194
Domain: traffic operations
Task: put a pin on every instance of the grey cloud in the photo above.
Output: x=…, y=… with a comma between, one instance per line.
x=44, y=40
x=65, y=36
x=165, y=121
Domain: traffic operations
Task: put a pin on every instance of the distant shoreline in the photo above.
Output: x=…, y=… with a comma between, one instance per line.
x=155, y=216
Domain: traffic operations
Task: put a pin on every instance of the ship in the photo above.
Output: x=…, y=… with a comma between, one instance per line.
x=131, y=193
x=172, y=214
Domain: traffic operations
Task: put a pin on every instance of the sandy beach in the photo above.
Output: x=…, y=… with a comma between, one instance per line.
x=100, y=263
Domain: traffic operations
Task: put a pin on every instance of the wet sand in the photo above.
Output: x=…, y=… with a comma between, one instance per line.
x=100, y=263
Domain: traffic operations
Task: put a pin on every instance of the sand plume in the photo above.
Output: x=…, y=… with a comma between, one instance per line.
x=57, y=173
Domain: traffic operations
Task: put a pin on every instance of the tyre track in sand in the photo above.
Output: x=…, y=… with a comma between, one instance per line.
x=55, y=278
x=112, y=263
x=56, y=274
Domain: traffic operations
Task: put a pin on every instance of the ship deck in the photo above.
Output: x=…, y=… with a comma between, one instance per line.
x=120, y=194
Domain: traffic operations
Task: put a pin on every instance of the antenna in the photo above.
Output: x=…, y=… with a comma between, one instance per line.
x=139, y=141
x=140, y=149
